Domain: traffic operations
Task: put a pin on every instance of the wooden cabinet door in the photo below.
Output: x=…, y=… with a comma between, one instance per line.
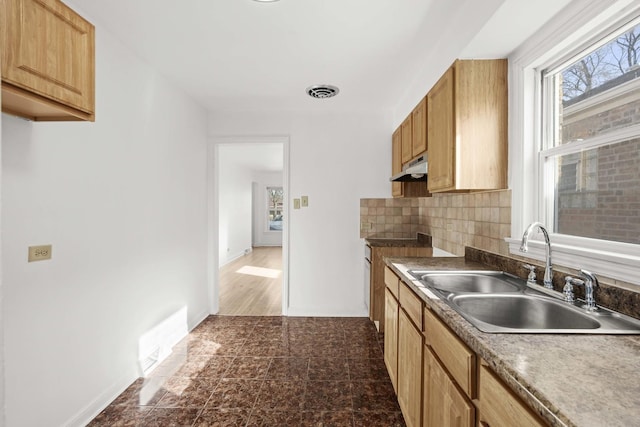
x=419, y=127
x=49, y=52
x=407, y=134
x=410, y=347
x=481, y=126
x=444, y=404
x=396, y=161
x=441, y=134
x=499, y=406
x=391, y=337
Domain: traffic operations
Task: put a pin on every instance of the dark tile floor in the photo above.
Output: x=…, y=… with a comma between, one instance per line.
x=265, y=371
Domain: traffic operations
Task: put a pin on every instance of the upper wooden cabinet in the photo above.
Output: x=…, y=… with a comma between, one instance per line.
x=396, y=162
x=467, y=127
x=48, y=61
x=419, y=128
x=407, y=134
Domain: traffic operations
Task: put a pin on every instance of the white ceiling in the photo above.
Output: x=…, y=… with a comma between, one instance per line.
x=241, y=55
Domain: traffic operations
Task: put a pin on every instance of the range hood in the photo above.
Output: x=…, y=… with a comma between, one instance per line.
x=413, y=171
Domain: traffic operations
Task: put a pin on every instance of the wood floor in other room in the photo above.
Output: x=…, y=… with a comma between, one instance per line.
x=252, y=284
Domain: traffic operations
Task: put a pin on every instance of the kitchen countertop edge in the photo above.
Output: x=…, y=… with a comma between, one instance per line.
x=539, y=403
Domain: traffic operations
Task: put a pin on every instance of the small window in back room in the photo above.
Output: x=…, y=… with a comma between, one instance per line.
x=591, y=148
x=274, y=208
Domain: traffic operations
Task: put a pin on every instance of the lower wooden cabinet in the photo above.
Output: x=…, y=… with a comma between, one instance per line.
x=439, y=380
x=499, y=406
x=391, y=337
x=410, y=347
x=377, y=280
x=444, y=404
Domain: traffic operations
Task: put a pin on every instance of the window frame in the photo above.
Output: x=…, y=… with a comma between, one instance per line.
x=578, y=25
x=268, y=207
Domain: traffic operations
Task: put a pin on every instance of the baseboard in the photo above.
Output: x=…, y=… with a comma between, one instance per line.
x=103, y=400
x=234, y=257
x=326, y=312
x=198, y=319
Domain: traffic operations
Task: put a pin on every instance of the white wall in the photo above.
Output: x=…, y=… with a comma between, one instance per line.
x=335, y=159
x=262, y=236
x=123, y=201
x=2, y=382
x=234, y=192
x=440, y=48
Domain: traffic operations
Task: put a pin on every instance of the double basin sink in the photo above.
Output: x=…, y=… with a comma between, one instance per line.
x=497, y=302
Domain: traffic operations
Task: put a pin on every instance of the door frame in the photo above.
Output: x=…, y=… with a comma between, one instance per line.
x=213, y=192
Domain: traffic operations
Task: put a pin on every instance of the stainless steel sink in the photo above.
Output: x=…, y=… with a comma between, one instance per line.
x=482, y=282
x=498, y=302
x=501, y=313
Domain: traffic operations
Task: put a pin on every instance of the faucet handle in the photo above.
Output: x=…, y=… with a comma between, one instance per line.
x=532, y=272
x=590, y=282
x=567, y=291
x=589, y=278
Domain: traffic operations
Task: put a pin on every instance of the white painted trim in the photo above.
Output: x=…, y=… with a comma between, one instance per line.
x=590, y=143
x=286, y=227
x=97, y=405
x=571, y=27
x=104, y=399
x=234, y=257
x=213, y=220
x=315, y=312
x=212, y=229
x=609, y=264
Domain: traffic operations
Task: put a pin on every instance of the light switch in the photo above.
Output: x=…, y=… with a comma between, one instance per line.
x=296, y=203
x=304, y=201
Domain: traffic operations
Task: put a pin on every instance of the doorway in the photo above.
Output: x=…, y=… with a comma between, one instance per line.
x=248, y=228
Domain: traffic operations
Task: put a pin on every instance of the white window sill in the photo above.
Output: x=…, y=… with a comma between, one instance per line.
x=614, y=265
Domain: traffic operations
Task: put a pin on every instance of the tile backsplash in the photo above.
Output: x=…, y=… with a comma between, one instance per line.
x=481, y=220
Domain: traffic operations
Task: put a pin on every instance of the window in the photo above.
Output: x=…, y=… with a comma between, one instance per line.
x=590, y=153
x=574, y=138
x=274, y=208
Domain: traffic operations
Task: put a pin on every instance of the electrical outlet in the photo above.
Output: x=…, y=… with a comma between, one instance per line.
x=39, y=253
x=296, y=203
x=304, y=201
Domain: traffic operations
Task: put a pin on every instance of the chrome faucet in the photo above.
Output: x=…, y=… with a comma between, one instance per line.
x=548, y=273
x=590, y=282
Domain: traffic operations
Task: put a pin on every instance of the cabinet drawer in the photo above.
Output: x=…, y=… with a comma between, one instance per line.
x=459, y=360
x=411, y=304
x=392, y=281
x=499, y=406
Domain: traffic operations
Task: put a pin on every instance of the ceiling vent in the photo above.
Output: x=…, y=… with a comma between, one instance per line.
x=322, y=91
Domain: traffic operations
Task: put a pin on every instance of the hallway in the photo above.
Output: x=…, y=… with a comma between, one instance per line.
x=252, y=284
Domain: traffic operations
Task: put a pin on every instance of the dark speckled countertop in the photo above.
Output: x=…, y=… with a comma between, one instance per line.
x=421, y=240
x=569, y=380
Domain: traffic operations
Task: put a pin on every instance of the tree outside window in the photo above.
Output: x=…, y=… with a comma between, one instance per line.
x=274, y=208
